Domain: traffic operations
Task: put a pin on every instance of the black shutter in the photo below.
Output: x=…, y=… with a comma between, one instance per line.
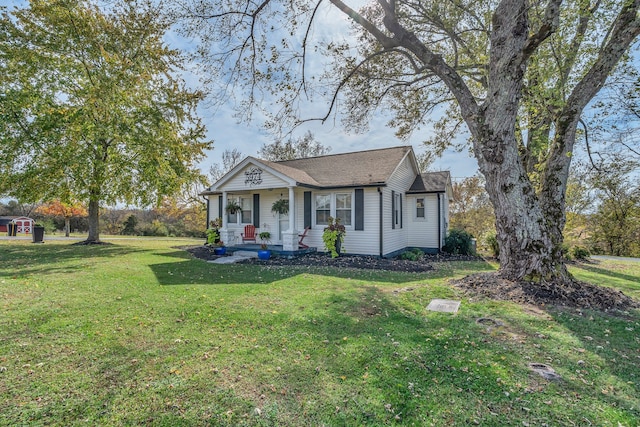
x=393, y=209
x=256, y=210
x=401, y=211
x=219, y=206
x=307, y=209
x=359, y=225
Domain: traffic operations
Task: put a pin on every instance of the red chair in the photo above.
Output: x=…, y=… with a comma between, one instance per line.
x=302, y=236
x=249, y=234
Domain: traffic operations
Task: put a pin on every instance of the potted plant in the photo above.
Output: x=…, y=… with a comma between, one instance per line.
x=333, y=236
x=232, y=207
x=280, y=206
x=265, y=236
x=264, y=253
x=213, y=232
x=220, y=248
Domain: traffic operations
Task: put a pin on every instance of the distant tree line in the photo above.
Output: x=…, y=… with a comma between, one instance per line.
x=170, y=219
x=603, y=210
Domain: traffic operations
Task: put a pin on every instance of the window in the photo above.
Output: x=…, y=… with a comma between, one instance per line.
x=337, y=205
x=245, y=216
x=323, y=208
x=245, y=204
x=397, y=209
x=343, y=208
x=420, y=207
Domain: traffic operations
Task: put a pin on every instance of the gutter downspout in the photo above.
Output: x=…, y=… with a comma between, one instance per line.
x=439, y=225
x=206, y=225
x=381, y=224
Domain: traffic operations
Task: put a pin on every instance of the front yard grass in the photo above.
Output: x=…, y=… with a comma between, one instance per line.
x=139, y=332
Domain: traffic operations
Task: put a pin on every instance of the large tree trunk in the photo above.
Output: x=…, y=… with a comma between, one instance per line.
x=94, y=221
x=528, y=250
x=67, y=226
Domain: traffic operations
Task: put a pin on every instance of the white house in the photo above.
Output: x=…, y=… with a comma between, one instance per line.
x=381, y=198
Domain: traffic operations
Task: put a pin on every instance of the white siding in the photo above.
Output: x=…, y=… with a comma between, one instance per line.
x=424, y=232
x=213, y=208
x=397, y=239
x=237, y=182
x=361, y=242
x=367, y=241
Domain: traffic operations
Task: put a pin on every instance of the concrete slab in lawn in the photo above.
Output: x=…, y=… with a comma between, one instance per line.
x=444, y=305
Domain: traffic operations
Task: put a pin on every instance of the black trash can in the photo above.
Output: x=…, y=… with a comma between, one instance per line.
x=11, y=229
x=38, y=234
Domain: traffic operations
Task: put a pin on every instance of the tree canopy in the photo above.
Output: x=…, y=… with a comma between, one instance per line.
x=304, y=146
x=517, y=74
x=93, y=106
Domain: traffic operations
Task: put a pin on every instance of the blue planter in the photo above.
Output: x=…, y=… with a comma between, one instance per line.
x=264, y=254
x=220, y=251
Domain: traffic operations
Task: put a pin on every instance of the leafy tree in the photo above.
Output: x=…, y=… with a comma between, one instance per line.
x=92, y=107
x=183, y=218
x=616, y=223
x=471, y=208
x=505, y=69
x=130, y=224
x=64, y=210
x=302, y=147
x=579, y=202
x=15, y=208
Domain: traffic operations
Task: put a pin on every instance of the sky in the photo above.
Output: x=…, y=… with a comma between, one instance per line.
x=227, y=133
x=248, y=138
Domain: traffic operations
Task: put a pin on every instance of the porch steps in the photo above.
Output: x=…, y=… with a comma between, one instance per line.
x=237, y=256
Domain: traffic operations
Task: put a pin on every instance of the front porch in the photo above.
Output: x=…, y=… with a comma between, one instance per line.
x=276, y=250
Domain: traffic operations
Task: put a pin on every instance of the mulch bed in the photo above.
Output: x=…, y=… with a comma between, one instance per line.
x=344, y=261
x=488, y=285
x=576, y=294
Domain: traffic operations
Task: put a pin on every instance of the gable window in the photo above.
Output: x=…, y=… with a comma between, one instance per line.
x=343, y=208
x=420, y=207
x=323, y=209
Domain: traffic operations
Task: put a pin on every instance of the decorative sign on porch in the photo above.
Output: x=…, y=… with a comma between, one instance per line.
x=253, y=176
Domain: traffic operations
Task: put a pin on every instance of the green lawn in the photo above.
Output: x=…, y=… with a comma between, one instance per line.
x=138, y=332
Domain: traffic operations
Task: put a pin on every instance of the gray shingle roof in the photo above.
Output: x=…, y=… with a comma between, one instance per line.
x=431, y=182
x=362, y=168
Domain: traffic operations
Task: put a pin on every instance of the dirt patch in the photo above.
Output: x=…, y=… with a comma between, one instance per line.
x=577, y=294
x=91, y=242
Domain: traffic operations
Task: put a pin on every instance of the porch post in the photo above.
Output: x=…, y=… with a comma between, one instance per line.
x=226, y=235
x=292, y=209
x=290, y=236
x=224, y=216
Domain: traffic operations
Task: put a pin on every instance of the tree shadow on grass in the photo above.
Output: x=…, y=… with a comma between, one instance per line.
x=192, y=271
x=44, y=259
x=366, y=362
x=613, y=274
x=606, y=345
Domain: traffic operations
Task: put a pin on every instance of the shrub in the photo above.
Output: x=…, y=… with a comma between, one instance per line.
x=492, y=241
x=580, y=252
x=458, y=242
x=332, y=236
x=156, y=228
x=414, y=254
